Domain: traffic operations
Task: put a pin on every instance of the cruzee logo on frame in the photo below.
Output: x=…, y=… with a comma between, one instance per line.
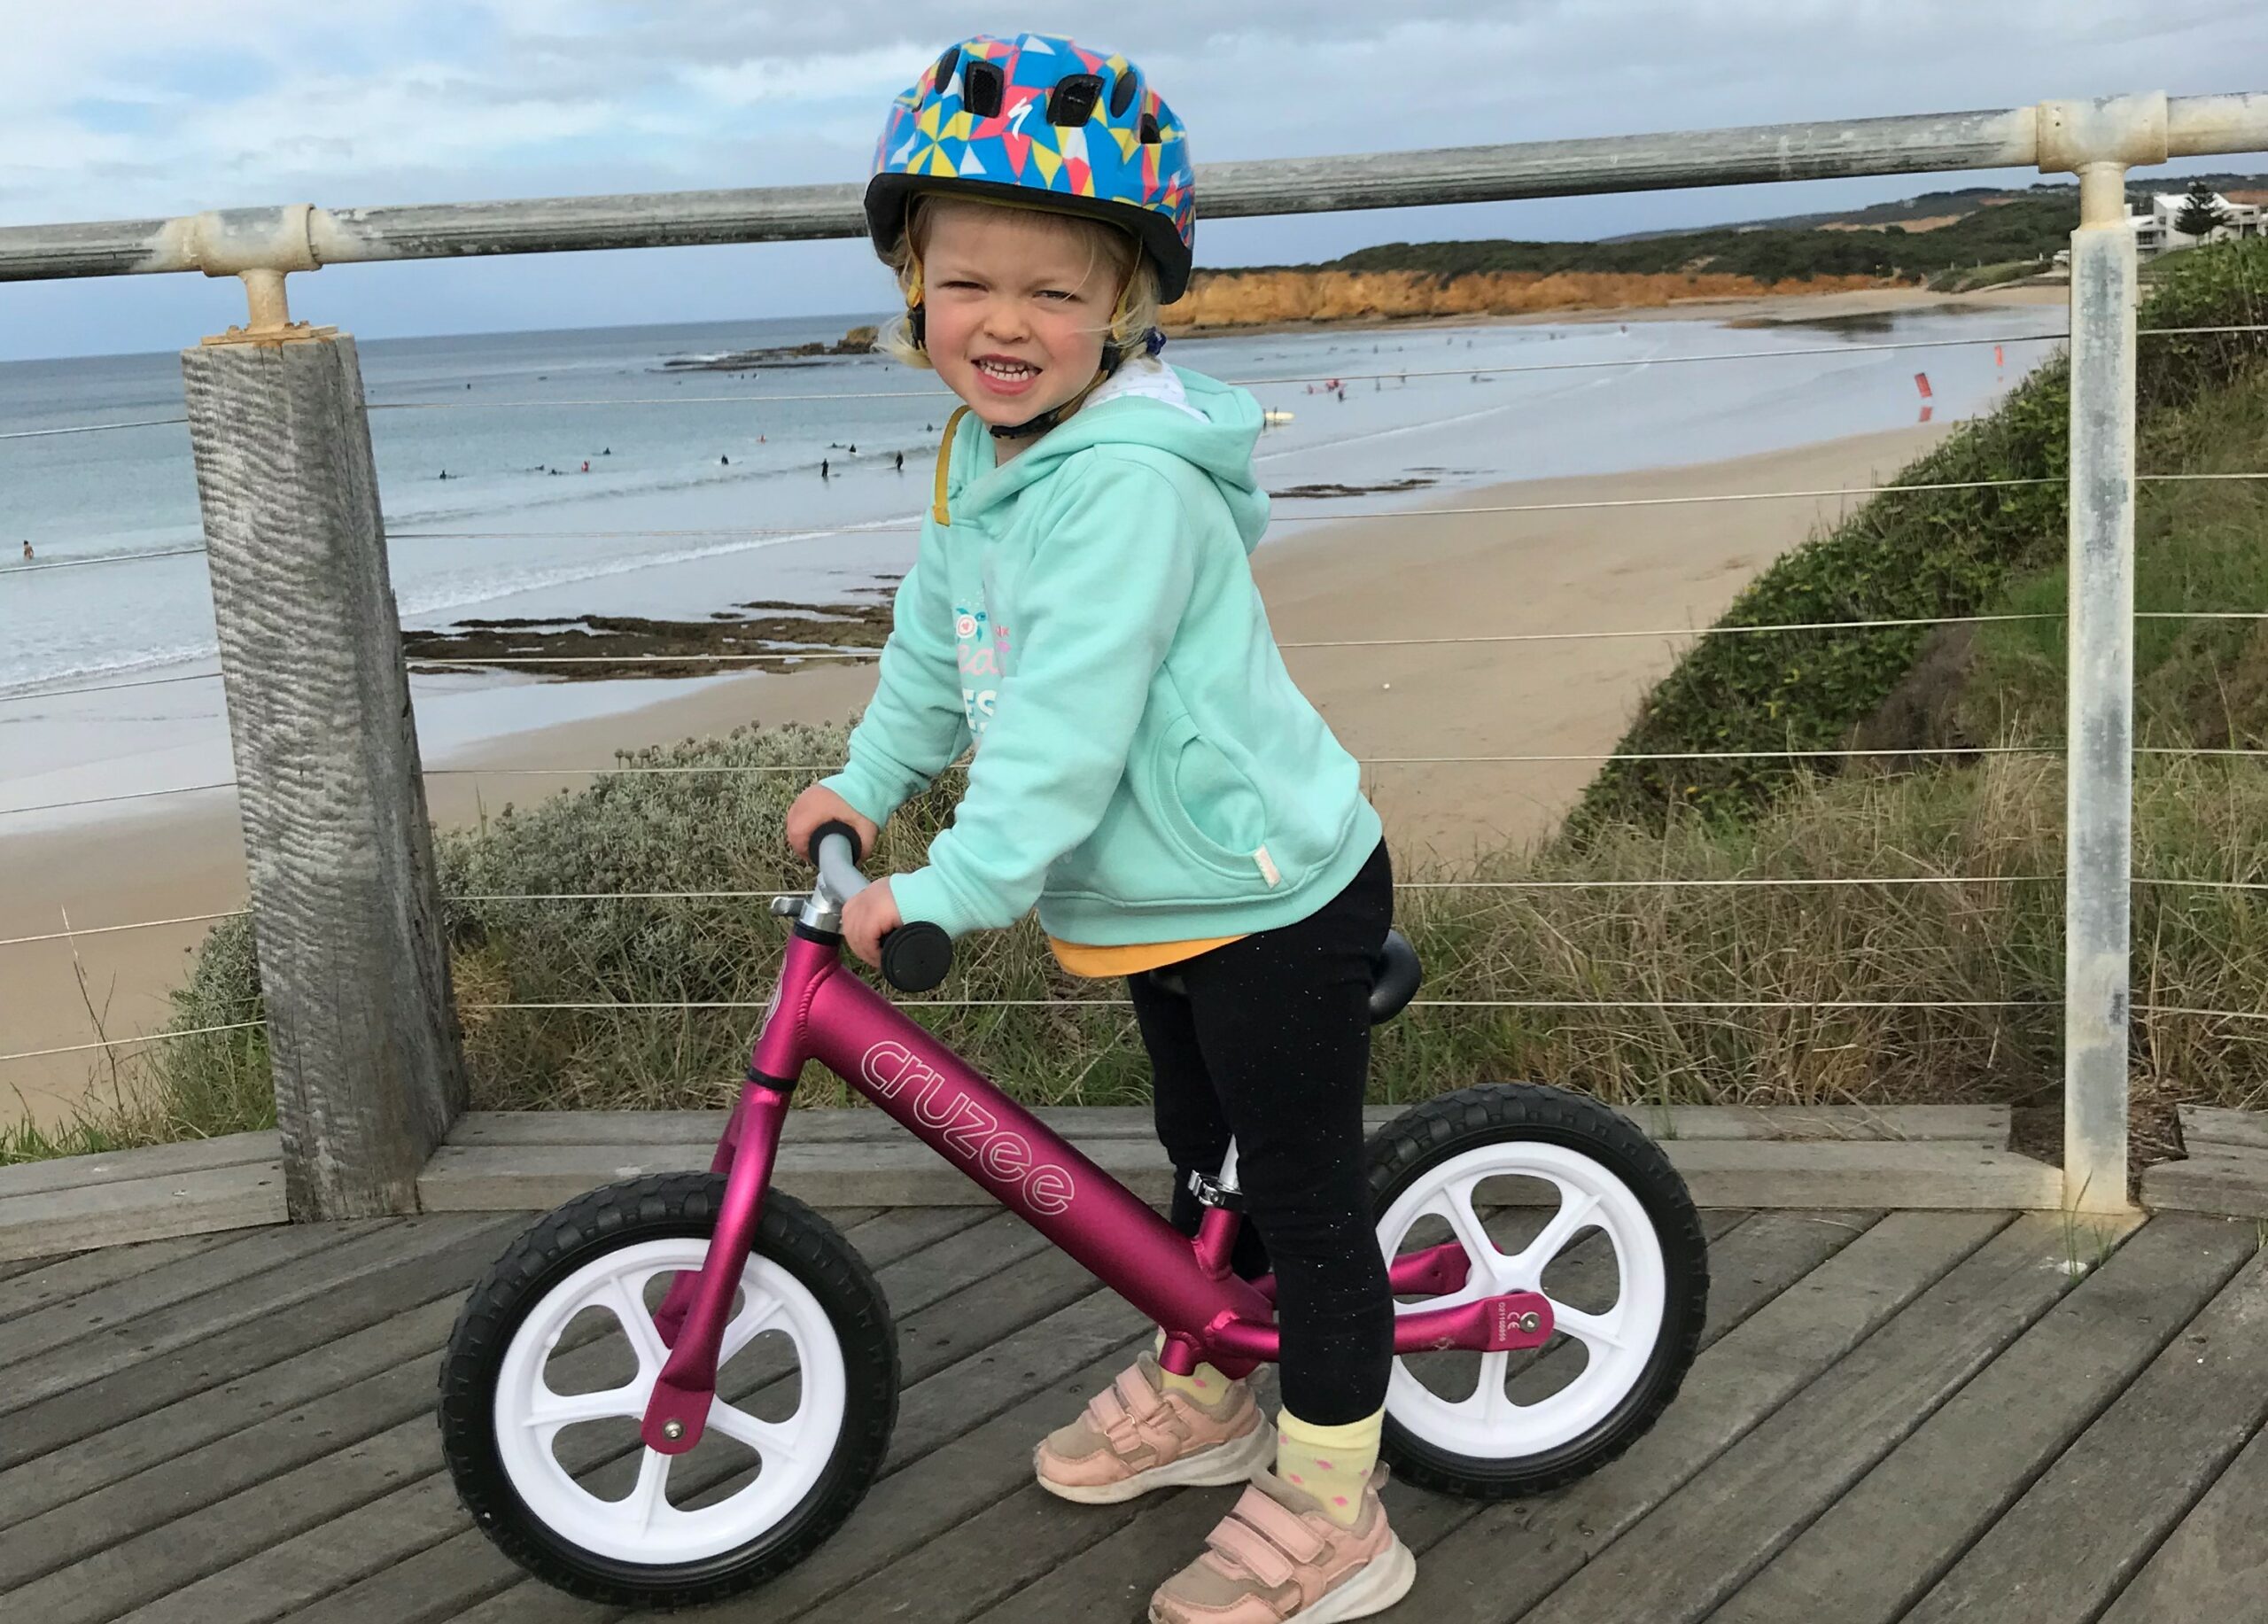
x=966, y=1126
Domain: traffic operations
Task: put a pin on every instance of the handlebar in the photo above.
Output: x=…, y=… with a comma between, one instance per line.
x=917, y=954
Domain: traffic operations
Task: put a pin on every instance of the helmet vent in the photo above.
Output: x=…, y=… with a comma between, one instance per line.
x=1072, y=102
x=982, y=88
x=944, y=76
x=1122, y=95
x=1149, y=136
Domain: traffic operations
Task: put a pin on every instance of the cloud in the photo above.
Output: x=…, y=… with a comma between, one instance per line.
x=132, y=108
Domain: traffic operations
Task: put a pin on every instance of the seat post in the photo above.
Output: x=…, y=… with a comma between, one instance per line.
x=1224, y=1214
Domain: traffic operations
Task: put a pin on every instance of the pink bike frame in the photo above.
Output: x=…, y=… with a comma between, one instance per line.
x=822, y=1013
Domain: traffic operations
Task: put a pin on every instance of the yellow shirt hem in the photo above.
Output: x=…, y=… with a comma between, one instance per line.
x=1100, y=962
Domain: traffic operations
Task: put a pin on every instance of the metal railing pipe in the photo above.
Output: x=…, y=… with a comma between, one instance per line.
x=297, y=236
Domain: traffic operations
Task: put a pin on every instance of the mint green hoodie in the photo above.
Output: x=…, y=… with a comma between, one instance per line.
x=1146, y=771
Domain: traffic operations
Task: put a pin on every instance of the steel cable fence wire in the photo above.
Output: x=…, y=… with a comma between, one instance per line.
x=1745, y=1005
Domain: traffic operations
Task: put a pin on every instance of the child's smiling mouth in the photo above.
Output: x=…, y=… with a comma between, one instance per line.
x=1004, y=375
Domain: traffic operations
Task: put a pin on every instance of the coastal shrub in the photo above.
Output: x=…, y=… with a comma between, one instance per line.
x=1946, y=964
x=1912, y=554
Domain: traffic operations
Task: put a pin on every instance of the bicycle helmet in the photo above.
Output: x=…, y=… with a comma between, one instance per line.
x=1042, y=122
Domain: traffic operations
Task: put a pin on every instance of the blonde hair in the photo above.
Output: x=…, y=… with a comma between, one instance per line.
x=1137, y=307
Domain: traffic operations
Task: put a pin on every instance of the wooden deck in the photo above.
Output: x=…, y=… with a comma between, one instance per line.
x=1917, y=1416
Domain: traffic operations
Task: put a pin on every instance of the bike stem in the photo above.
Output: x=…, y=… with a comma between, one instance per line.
x=678, y=1412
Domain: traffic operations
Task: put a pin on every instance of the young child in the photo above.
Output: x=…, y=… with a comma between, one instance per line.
x=1081, y=607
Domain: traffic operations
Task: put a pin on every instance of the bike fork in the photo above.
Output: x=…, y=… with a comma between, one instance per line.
x=692, y=1316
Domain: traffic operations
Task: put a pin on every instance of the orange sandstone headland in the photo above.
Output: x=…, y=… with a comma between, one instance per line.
x=1251, y=299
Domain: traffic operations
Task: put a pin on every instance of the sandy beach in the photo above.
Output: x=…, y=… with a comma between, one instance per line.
x=1450, y=569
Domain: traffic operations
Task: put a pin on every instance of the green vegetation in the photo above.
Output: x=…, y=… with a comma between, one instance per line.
x=1918, y=553
x=1989, y=942
x=2030, y=229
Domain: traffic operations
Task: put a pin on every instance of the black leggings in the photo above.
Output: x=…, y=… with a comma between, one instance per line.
x=1272, y=1045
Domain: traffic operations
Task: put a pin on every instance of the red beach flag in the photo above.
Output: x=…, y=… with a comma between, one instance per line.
x=1921, y=383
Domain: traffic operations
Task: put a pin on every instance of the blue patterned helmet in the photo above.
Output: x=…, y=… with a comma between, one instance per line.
x=1041, y=120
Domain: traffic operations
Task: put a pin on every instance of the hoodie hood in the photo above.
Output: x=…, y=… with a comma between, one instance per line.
x=1211, y=425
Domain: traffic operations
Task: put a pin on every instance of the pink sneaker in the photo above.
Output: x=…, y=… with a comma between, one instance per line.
x=1134, y=1436
x=1279, y=1556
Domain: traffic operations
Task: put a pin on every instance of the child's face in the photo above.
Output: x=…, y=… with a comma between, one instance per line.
x=1017, y=308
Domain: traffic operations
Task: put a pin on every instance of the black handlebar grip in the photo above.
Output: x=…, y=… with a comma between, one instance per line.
x=835, y=826
x=916, y=956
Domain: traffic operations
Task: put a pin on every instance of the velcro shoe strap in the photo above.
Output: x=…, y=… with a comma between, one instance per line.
x=1247, y=1548
x=1281, y=1524
x=1105, y=1410
x=1139, y=1397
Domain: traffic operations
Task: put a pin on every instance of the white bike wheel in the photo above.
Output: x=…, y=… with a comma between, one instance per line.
x=1491, y=1423
x=554, y=1358
x=1546, y=1192
x=646, y=1525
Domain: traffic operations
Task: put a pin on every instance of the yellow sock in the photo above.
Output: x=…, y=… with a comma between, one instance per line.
x=1331, y=1463
x=1204, y=1383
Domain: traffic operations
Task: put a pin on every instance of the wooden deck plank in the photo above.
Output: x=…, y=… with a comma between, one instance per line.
x=2215, y=1565
x=241, y=1353
x=142, y=1290
x=1109, y=1565
x=2220, y=1127
x=1983, y=1125
x=56, y=1280
x=1508, y=1556
x=276, y=1293
x=1725, y=1173
x=15, y=1266
x=1706, y=1540
x=1885, y=1542
x=2079, y=1534
x=252, y=1454
x=113, y=1214
x=198, y=1436
x=149, y=1162
x=2217, y=1178
x=950, y=1297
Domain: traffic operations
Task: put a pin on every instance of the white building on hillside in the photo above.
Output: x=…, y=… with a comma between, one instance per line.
x=2153, y=228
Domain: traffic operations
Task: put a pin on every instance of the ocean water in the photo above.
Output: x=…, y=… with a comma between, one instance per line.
x=663, y=524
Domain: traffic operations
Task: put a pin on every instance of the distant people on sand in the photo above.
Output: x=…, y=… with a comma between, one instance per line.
x=822, y=468
x=900, y=462
x=445, y=473
x=27, y=552
x=725, y=462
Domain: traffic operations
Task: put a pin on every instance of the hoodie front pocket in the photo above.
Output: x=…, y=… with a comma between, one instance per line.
x=1211, y=808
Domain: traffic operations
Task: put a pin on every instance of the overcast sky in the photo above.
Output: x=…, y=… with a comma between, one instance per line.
x=118, y=109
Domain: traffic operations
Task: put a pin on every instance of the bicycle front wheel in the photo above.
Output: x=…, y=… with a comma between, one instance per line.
x=547, y=1374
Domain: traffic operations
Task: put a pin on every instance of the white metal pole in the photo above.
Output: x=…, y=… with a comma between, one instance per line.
x=2099, y=807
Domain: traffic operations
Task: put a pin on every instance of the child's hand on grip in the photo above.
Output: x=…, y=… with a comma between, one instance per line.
x=820, y=805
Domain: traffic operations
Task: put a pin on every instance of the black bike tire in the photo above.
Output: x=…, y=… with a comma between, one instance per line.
x=1454, y=1123
x=789, y=1234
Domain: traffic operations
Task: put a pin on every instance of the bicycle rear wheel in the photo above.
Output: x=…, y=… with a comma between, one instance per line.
x=1545, y=1191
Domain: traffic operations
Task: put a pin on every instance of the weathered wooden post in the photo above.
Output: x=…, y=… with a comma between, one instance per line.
x=346, y=913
